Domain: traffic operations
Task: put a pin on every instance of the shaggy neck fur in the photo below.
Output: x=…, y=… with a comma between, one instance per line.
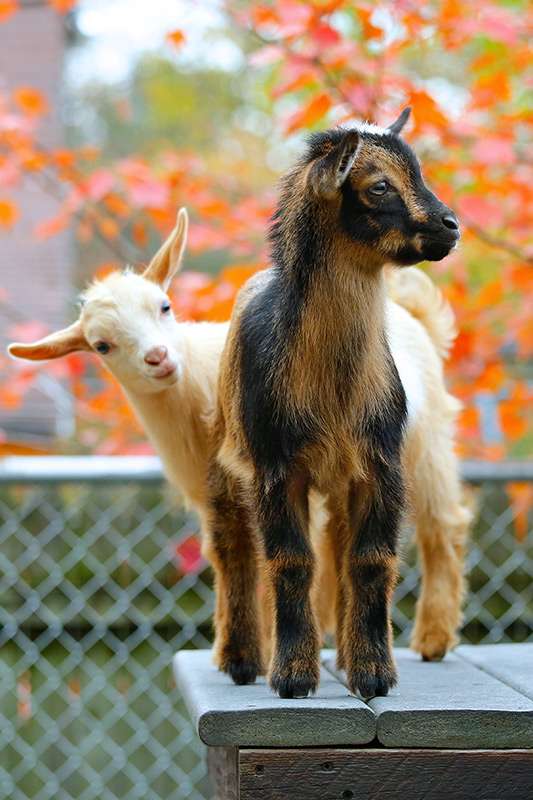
x=332, y=303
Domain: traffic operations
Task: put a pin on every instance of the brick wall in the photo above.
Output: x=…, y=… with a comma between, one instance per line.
x=35, y=274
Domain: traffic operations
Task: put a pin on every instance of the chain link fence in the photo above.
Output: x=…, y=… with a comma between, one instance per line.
x=101, y=581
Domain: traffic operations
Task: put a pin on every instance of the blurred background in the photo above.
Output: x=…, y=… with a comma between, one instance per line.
x=113, y=113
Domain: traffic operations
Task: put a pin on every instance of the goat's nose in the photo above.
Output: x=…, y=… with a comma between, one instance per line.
x=451, y=222
x=156, y=355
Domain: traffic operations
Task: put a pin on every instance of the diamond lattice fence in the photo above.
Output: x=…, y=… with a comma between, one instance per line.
x=101, y=582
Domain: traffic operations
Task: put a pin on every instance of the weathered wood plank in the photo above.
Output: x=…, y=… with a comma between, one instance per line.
x=369, y=774
x=227, y=715
x=223, y=768
x=511, y=663
x=451, y=704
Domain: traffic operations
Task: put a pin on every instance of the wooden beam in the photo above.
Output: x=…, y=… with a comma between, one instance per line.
x=223, y=768
x=385, y=774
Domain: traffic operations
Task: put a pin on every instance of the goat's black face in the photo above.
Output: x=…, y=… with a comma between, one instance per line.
x=384, y=202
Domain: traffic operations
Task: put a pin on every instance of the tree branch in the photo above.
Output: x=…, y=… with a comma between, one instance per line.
x=500, y=244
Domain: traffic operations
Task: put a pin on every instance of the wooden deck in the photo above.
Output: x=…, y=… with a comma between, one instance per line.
x=461, y=729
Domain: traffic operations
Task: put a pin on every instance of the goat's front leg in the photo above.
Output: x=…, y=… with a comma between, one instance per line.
x=233, y=553
x=371, y=574
x=283, y=520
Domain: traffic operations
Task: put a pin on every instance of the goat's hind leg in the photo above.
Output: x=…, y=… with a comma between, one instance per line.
x=330, y=593
x=233, y=552
x=442, y=522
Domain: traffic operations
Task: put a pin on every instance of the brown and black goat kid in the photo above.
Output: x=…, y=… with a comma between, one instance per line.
x=310, y=399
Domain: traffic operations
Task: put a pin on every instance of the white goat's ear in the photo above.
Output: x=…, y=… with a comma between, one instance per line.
x=398, y=124
x=328, y=173
x=167, y=260
x=57, y=344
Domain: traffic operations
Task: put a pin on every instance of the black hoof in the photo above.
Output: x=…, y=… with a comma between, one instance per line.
x=243, y=672
x=371, y=685
x=290, y=688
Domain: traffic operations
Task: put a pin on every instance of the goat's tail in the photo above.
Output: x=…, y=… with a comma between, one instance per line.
x=416, y=292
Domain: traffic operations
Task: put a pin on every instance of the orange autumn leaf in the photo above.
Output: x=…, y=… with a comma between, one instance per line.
x=425, y=110
x=24, y=697
x=30, y=100
x=310, y=113
x=63, y=158
x=9, y=213
x=34, y=161
x=89, y=152
x=521, y=499
x=74, y=689
x=492, y=378
x=104, y=269
x=176, y=38
x=116, y=204
x=492, y=452
x=62, y=6
x=469, y=419
x=521, y=276
x=512, y=418
x=490, y=89
x=214, y=207
x=108, y=228
x=239, y=274
x=370, y=31
x=7, y=9
x=51, y=227
x=524, y=337
x=490, y=294
x=139, y=234
x=9, y=398
x=450, y=10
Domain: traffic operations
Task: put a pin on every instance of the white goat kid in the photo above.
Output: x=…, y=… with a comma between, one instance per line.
x=167, y=369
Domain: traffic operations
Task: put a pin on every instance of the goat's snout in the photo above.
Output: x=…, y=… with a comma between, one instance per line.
x=156, y=355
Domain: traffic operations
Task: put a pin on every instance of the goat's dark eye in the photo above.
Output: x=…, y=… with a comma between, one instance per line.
x=379, y=188
x=102, y=347
x=165, y=307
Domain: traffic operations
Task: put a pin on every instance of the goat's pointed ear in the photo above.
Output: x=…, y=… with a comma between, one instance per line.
x=327, y=174
x=398, y=124
x=57, y=344
x=167, y=260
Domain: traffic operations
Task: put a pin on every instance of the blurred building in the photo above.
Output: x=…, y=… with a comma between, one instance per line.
x=36, y=275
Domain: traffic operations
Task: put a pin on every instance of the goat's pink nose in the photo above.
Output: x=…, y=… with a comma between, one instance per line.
x=156, y=355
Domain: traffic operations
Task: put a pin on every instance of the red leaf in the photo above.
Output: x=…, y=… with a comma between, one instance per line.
x=189, y=556
x=99, y=184
x=493, y=150
x=325, y=36
x=478, y=210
